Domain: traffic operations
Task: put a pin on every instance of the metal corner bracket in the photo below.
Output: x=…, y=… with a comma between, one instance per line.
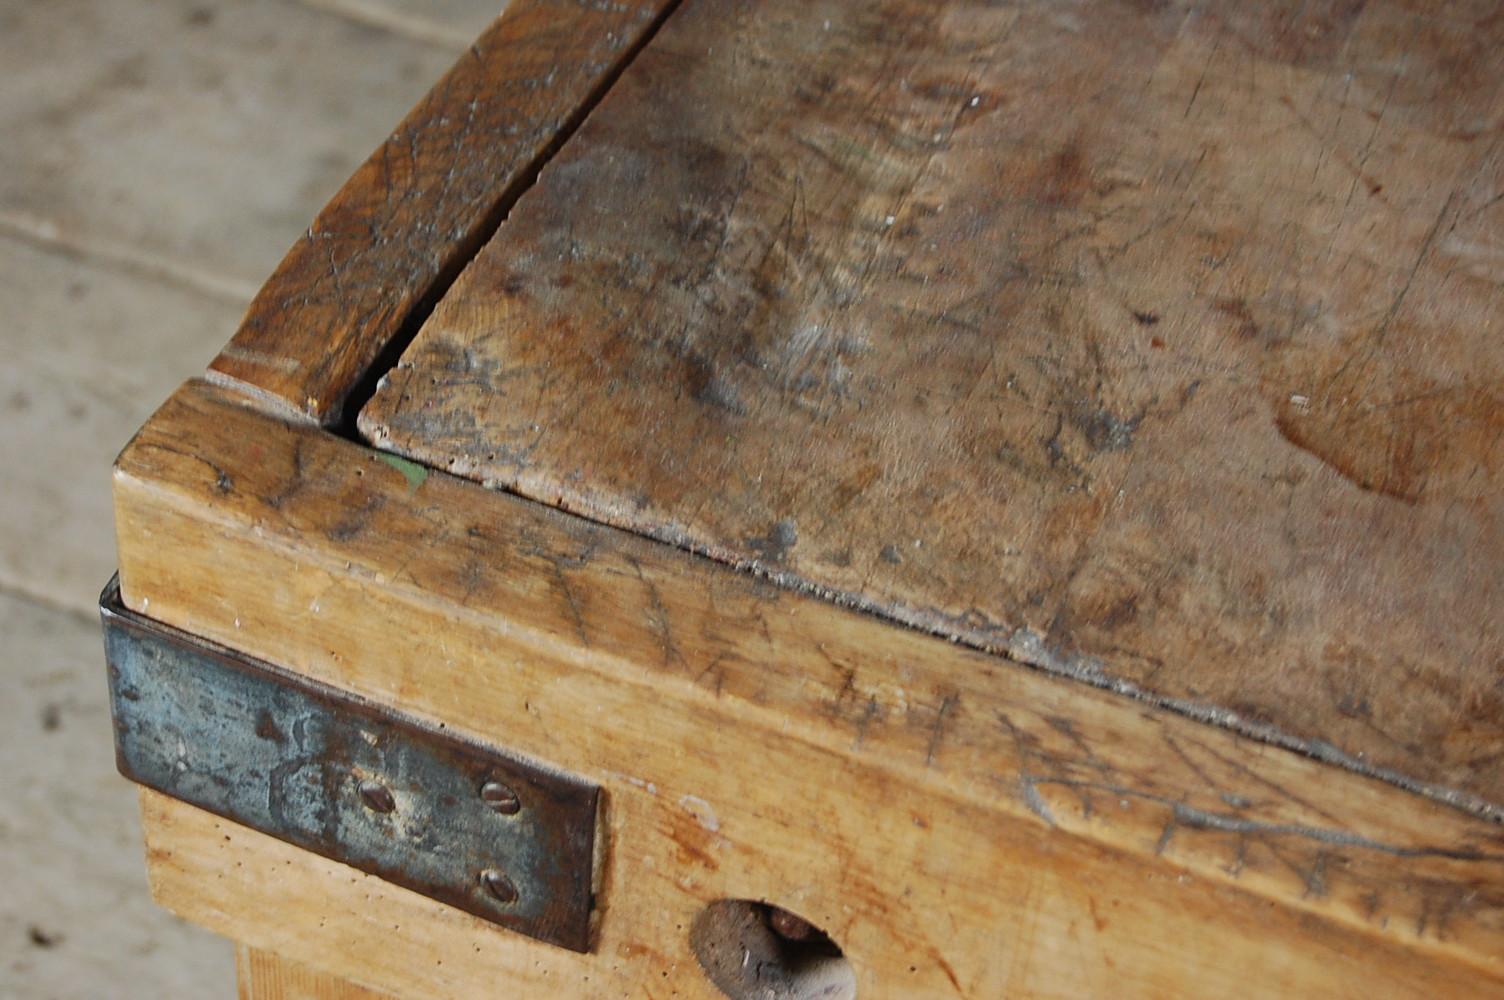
x=509, y=840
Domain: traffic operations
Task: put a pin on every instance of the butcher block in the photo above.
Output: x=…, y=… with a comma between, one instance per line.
x=798, y=498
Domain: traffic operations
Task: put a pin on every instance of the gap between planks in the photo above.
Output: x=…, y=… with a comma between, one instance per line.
x=358, y=394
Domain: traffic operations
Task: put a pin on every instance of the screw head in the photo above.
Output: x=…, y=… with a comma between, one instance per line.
x=498, y=885
x=377, y=797
x=500, y=798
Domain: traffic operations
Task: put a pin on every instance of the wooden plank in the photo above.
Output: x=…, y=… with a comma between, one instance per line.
x=1153, y=344
x=263, y=975
x=416, y=210
x=962, y=825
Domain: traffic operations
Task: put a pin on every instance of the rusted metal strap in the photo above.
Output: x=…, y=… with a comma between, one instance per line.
x=505, y=839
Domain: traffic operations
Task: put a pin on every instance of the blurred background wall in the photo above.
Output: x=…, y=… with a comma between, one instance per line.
x=157, y=157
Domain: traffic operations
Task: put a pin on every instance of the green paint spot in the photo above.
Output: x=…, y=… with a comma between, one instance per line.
x=411, y=471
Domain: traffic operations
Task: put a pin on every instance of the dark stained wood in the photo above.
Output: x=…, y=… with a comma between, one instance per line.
x=419, y=207
x=1153, y=343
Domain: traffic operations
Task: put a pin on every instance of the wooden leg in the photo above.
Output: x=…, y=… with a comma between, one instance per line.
x=264, y=975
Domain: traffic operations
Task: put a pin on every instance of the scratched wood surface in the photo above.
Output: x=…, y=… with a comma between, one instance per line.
x=417, y=209
x=962, y=826
x=1152, y=343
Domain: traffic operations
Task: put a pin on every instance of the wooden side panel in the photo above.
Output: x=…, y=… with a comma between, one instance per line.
x=963, y=826
x=1158, y=344
x=264, y=975
x=418, y=208
x=242, y=883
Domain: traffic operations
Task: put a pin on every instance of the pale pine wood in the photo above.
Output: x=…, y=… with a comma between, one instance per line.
x=264, y=976
x=1157, y=344
x=962, y=826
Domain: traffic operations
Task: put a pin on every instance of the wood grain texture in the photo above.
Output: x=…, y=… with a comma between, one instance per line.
x=963, y=826
x=266, y=976
x=241, y=882
x=1154, y=344
x=417, y=209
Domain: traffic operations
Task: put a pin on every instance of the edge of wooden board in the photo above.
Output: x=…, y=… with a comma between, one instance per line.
x=400, y=229
x=846, y=751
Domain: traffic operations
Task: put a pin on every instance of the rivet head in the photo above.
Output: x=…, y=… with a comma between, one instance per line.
x=498, y=885
x=377, y=797
x=500, y=798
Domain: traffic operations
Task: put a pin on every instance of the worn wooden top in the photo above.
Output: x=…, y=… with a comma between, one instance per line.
x=424, y=201
x=1150, y=343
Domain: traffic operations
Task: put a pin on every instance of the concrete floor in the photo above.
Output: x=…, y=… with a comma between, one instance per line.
x=156, y=159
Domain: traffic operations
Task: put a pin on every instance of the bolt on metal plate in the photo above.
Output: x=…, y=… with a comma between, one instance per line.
x=505, y=839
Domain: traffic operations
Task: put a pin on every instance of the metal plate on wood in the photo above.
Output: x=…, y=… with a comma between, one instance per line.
x=502, y=838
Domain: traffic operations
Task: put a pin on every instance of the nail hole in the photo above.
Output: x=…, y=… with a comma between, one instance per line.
x=754, y=950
